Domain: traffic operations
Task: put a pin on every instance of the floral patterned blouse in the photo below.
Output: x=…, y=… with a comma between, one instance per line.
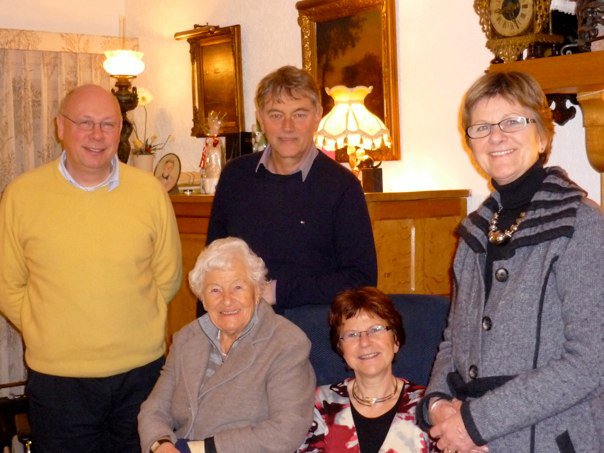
x=333, y=428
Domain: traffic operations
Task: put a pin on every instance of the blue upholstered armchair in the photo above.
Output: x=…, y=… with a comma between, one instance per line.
x=424, y=319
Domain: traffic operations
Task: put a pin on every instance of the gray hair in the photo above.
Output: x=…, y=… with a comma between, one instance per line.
x=289, y=82
x=220, y=256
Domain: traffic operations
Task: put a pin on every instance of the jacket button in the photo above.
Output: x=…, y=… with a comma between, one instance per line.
x=473, y=372
x=501, y=275
x=487, y=323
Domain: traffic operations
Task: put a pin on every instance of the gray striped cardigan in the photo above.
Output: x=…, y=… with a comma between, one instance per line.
x=541, y=332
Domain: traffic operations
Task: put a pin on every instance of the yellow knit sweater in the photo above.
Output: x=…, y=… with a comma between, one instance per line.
x=86, y=276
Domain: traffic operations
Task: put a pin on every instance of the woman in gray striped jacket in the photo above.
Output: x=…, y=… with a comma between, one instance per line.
x=521, y=366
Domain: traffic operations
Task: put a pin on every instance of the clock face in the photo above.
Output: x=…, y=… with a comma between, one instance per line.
x=511, y=17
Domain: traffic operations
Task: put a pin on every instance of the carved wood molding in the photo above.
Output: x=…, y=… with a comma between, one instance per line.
x=562, y=109
x=320, y=10
x=592, y=104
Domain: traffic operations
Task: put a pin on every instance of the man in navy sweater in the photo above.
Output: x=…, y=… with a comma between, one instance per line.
x=302, y=212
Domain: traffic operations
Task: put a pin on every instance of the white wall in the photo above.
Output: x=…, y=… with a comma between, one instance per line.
x=93, y=17
x=270, y=39
x=439, y=55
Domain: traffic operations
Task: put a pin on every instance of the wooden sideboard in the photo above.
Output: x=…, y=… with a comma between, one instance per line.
x=413, y=232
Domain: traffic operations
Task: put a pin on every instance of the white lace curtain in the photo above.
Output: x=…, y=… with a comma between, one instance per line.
x=37, y=69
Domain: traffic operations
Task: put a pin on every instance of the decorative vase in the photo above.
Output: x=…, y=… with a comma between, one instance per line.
x=212, y=161
x=143, y=161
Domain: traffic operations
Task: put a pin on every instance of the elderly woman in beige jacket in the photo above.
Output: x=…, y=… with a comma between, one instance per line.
x=236, y=379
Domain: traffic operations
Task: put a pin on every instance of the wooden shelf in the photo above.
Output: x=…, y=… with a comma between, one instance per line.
x=570, y=74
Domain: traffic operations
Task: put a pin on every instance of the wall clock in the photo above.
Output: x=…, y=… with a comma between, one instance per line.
x=511, y=18
x=513, y=26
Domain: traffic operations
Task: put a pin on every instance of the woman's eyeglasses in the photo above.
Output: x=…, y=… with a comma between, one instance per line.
x=512, y=124
x=354, y=335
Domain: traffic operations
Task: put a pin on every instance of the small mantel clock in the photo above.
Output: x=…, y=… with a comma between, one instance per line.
x=513, y=26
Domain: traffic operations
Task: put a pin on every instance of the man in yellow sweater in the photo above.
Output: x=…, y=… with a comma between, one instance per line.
x=89, y=259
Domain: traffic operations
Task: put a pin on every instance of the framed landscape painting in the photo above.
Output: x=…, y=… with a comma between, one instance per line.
x=353, y=42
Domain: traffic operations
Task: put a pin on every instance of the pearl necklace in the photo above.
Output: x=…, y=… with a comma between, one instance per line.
x=501, y=237
x=365, y=401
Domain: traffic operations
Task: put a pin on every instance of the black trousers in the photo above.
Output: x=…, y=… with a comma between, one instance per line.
x=93, y=415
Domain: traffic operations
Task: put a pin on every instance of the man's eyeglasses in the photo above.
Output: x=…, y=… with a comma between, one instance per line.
x=353, y=335
x=88, y=125
x=512, y=124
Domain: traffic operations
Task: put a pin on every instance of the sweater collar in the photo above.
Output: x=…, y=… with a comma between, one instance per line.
x=521, y=191
x=213, y=333
x=305, y=163
x=550, y=214
x=112, y=181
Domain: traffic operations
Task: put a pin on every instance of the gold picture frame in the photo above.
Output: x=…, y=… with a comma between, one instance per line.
x=340, y=46
x=216, y=76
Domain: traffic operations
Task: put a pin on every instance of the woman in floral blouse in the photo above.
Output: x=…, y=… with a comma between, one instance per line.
x=374, y=411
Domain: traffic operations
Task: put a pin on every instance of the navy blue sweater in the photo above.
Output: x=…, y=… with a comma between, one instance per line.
x=315, y=235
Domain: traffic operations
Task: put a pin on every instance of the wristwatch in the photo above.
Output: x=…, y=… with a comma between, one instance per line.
x=158, y=444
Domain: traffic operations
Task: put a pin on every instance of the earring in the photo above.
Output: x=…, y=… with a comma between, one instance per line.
x=541, y=146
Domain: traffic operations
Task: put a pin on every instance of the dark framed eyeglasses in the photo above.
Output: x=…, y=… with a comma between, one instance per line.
x=511, y=124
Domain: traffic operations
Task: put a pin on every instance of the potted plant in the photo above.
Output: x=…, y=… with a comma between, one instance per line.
x=144, y=149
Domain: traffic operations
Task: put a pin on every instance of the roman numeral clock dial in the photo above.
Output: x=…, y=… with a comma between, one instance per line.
x=515, y=26
x=511, y=17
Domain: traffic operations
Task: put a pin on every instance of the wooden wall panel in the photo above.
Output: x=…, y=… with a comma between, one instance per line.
x=438, y=246
x=394, y=243
x=182, y=309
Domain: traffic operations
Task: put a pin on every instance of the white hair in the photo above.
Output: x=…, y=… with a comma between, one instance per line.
x=220, y=256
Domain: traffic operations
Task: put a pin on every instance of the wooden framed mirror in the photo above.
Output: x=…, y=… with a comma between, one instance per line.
x=216, y=76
